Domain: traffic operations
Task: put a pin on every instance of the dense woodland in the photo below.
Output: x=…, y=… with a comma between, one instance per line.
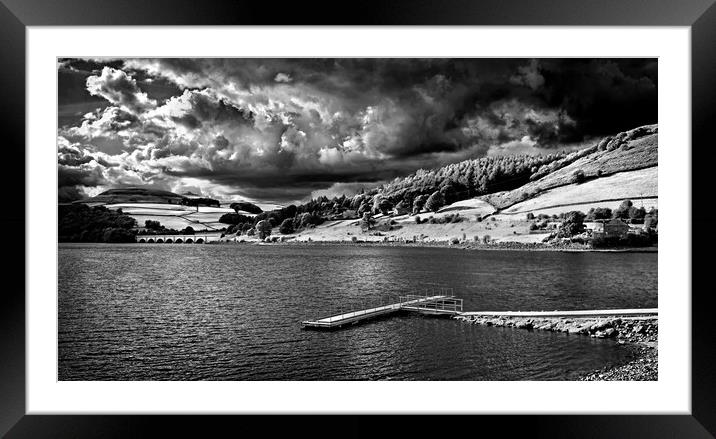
x=81, y=223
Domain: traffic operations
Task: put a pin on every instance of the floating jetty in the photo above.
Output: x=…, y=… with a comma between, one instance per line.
x=633, y=312
x=442, y=304
x=433, y=305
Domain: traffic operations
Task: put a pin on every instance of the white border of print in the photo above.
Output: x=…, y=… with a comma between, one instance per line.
x=670, y=394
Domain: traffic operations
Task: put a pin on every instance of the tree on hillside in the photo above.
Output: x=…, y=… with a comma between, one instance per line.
x=367, y=221
x=419, y=203
x=286, y=226
x=306, y=219
x=384, y=206
x=200, y=202
x=573, y=224
x=449, y=191
x=188, y=230
x=152, y=225
x=235, y=218
x=622, y=211
x=402, y=207
x=578, y=176
x=636, y=215
x=599, y=213
x=246, y=207
x=435, y=201
x=289, y=211
x=356, y=201
x=263, y=228
x=364, y=207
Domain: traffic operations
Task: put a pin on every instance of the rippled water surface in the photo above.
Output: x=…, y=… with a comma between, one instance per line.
x=233, y=312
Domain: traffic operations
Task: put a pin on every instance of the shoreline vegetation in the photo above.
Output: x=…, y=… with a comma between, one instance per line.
x=517, y=246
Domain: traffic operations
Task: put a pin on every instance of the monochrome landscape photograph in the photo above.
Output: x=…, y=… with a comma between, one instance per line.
x=370, y=219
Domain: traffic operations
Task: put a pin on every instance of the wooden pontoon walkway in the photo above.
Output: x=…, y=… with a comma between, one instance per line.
x=439, y=304
x=448, y=305
x=581, y=313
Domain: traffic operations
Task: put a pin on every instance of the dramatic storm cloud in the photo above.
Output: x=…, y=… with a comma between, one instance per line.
x=280, y=130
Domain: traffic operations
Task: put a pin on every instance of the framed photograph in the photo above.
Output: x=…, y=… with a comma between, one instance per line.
x=405, y=212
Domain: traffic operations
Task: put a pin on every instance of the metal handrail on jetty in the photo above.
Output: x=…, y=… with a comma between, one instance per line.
x=437, y=304
x=443, y=302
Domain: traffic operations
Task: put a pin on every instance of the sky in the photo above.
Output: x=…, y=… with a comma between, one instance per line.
x=285, y=130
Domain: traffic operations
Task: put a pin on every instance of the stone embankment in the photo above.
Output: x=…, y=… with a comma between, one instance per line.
x=637, y=333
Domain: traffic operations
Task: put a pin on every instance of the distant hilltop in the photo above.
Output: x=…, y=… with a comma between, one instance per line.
x=143, y=195
x=140, y=195
x=134, y=195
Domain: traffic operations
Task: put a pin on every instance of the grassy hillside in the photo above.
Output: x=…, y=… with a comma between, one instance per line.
x=174, y=216
x=170, y=209
x=632, y=150
x=640, y=184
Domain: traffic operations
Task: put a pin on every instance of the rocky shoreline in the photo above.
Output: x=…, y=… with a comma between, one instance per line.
x=640, y=334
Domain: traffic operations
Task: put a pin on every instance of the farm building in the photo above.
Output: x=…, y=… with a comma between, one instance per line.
x=594, y=226
x=614, y=228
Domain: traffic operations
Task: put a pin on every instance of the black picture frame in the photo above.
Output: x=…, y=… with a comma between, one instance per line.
x=16, y=15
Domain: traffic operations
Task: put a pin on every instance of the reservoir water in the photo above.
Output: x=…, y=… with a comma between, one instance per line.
x=233, y=312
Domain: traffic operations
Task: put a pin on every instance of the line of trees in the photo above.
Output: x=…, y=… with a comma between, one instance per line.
x=152, y=227
x=246, y=207
x=200, y=202
x=467, y=179
x=572, y=226
x=288, y=219
x=626, y=212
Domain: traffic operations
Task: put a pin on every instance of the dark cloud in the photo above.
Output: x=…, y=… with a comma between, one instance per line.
x=602, y=96
x=221, y=142
x=79, y=176
x=68, y=194
x=276, y=128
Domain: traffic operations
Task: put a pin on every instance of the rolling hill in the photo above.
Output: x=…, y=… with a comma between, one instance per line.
x=145, y=204
x=606, y=191
x=134, y=195
x=632, y=150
